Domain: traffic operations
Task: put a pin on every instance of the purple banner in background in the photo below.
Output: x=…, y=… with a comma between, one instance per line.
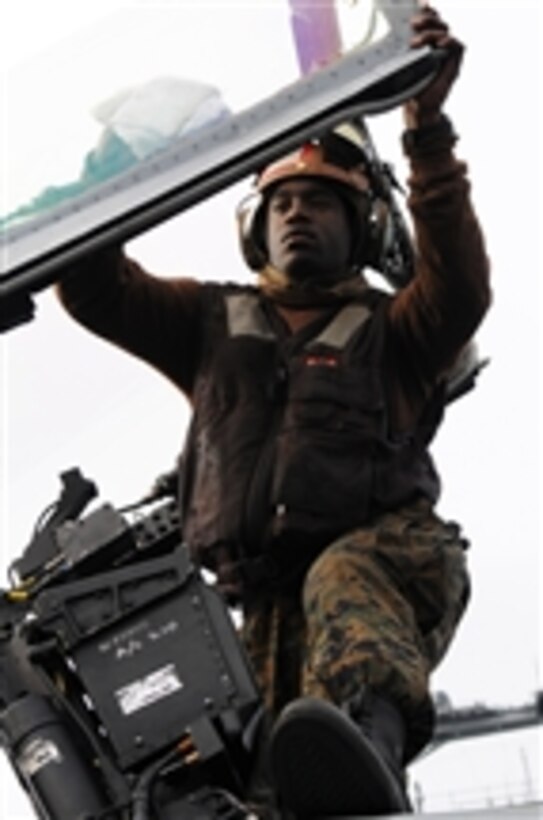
x=316, y=33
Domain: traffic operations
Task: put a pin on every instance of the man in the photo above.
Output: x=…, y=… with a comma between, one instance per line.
x=307, y=485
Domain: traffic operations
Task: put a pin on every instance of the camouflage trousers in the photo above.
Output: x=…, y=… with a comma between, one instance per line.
x=377, y=608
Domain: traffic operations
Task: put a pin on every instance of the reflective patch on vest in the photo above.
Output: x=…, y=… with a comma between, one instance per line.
x=245, y=317
x=314, y=360
x=342, y=327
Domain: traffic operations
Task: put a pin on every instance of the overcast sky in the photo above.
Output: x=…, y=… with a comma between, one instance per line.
x=71, y=400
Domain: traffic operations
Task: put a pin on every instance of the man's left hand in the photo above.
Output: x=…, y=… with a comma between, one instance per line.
x=430, y=30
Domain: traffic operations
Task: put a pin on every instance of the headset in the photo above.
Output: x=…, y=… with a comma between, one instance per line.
x=346, y=158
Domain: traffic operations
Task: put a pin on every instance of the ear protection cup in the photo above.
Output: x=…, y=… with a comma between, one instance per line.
x=250, y=215
x=389, y=249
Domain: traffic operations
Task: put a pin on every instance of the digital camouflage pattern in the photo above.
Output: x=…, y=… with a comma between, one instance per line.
x=378, y=608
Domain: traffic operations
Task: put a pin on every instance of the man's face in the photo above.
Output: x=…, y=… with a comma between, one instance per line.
x=307, y=231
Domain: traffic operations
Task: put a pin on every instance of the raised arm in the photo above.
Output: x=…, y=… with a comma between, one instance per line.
x=157, y=320
x=437, y=314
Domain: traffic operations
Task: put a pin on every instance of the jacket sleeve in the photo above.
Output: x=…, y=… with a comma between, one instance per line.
x=433, y=318
x=158, y=320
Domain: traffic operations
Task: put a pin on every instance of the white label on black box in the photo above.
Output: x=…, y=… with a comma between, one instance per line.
x=147, y=690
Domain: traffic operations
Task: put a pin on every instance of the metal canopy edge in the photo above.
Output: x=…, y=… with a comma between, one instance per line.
x=364, y=82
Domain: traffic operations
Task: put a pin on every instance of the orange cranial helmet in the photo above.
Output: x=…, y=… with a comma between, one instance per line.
x=311, y=160
x=336, y=159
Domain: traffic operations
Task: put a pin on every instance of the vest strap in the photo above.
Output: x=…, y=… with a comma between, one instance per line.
x=245, y=318
x=342, y=327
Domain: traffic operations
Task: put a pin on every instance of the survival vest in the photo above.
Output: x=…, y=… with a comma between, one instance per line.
x=289, y=441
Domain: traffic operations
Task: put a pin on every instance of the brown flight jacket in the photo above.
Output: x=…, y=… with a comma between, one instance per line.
x=304, y=425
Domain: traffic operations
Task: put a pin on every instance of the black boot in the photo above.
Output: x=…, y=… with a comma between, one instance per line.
x=326, y=762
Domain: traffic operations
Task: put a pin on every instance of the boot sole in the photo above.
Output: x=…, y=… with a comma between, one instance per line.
x=323, y=765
